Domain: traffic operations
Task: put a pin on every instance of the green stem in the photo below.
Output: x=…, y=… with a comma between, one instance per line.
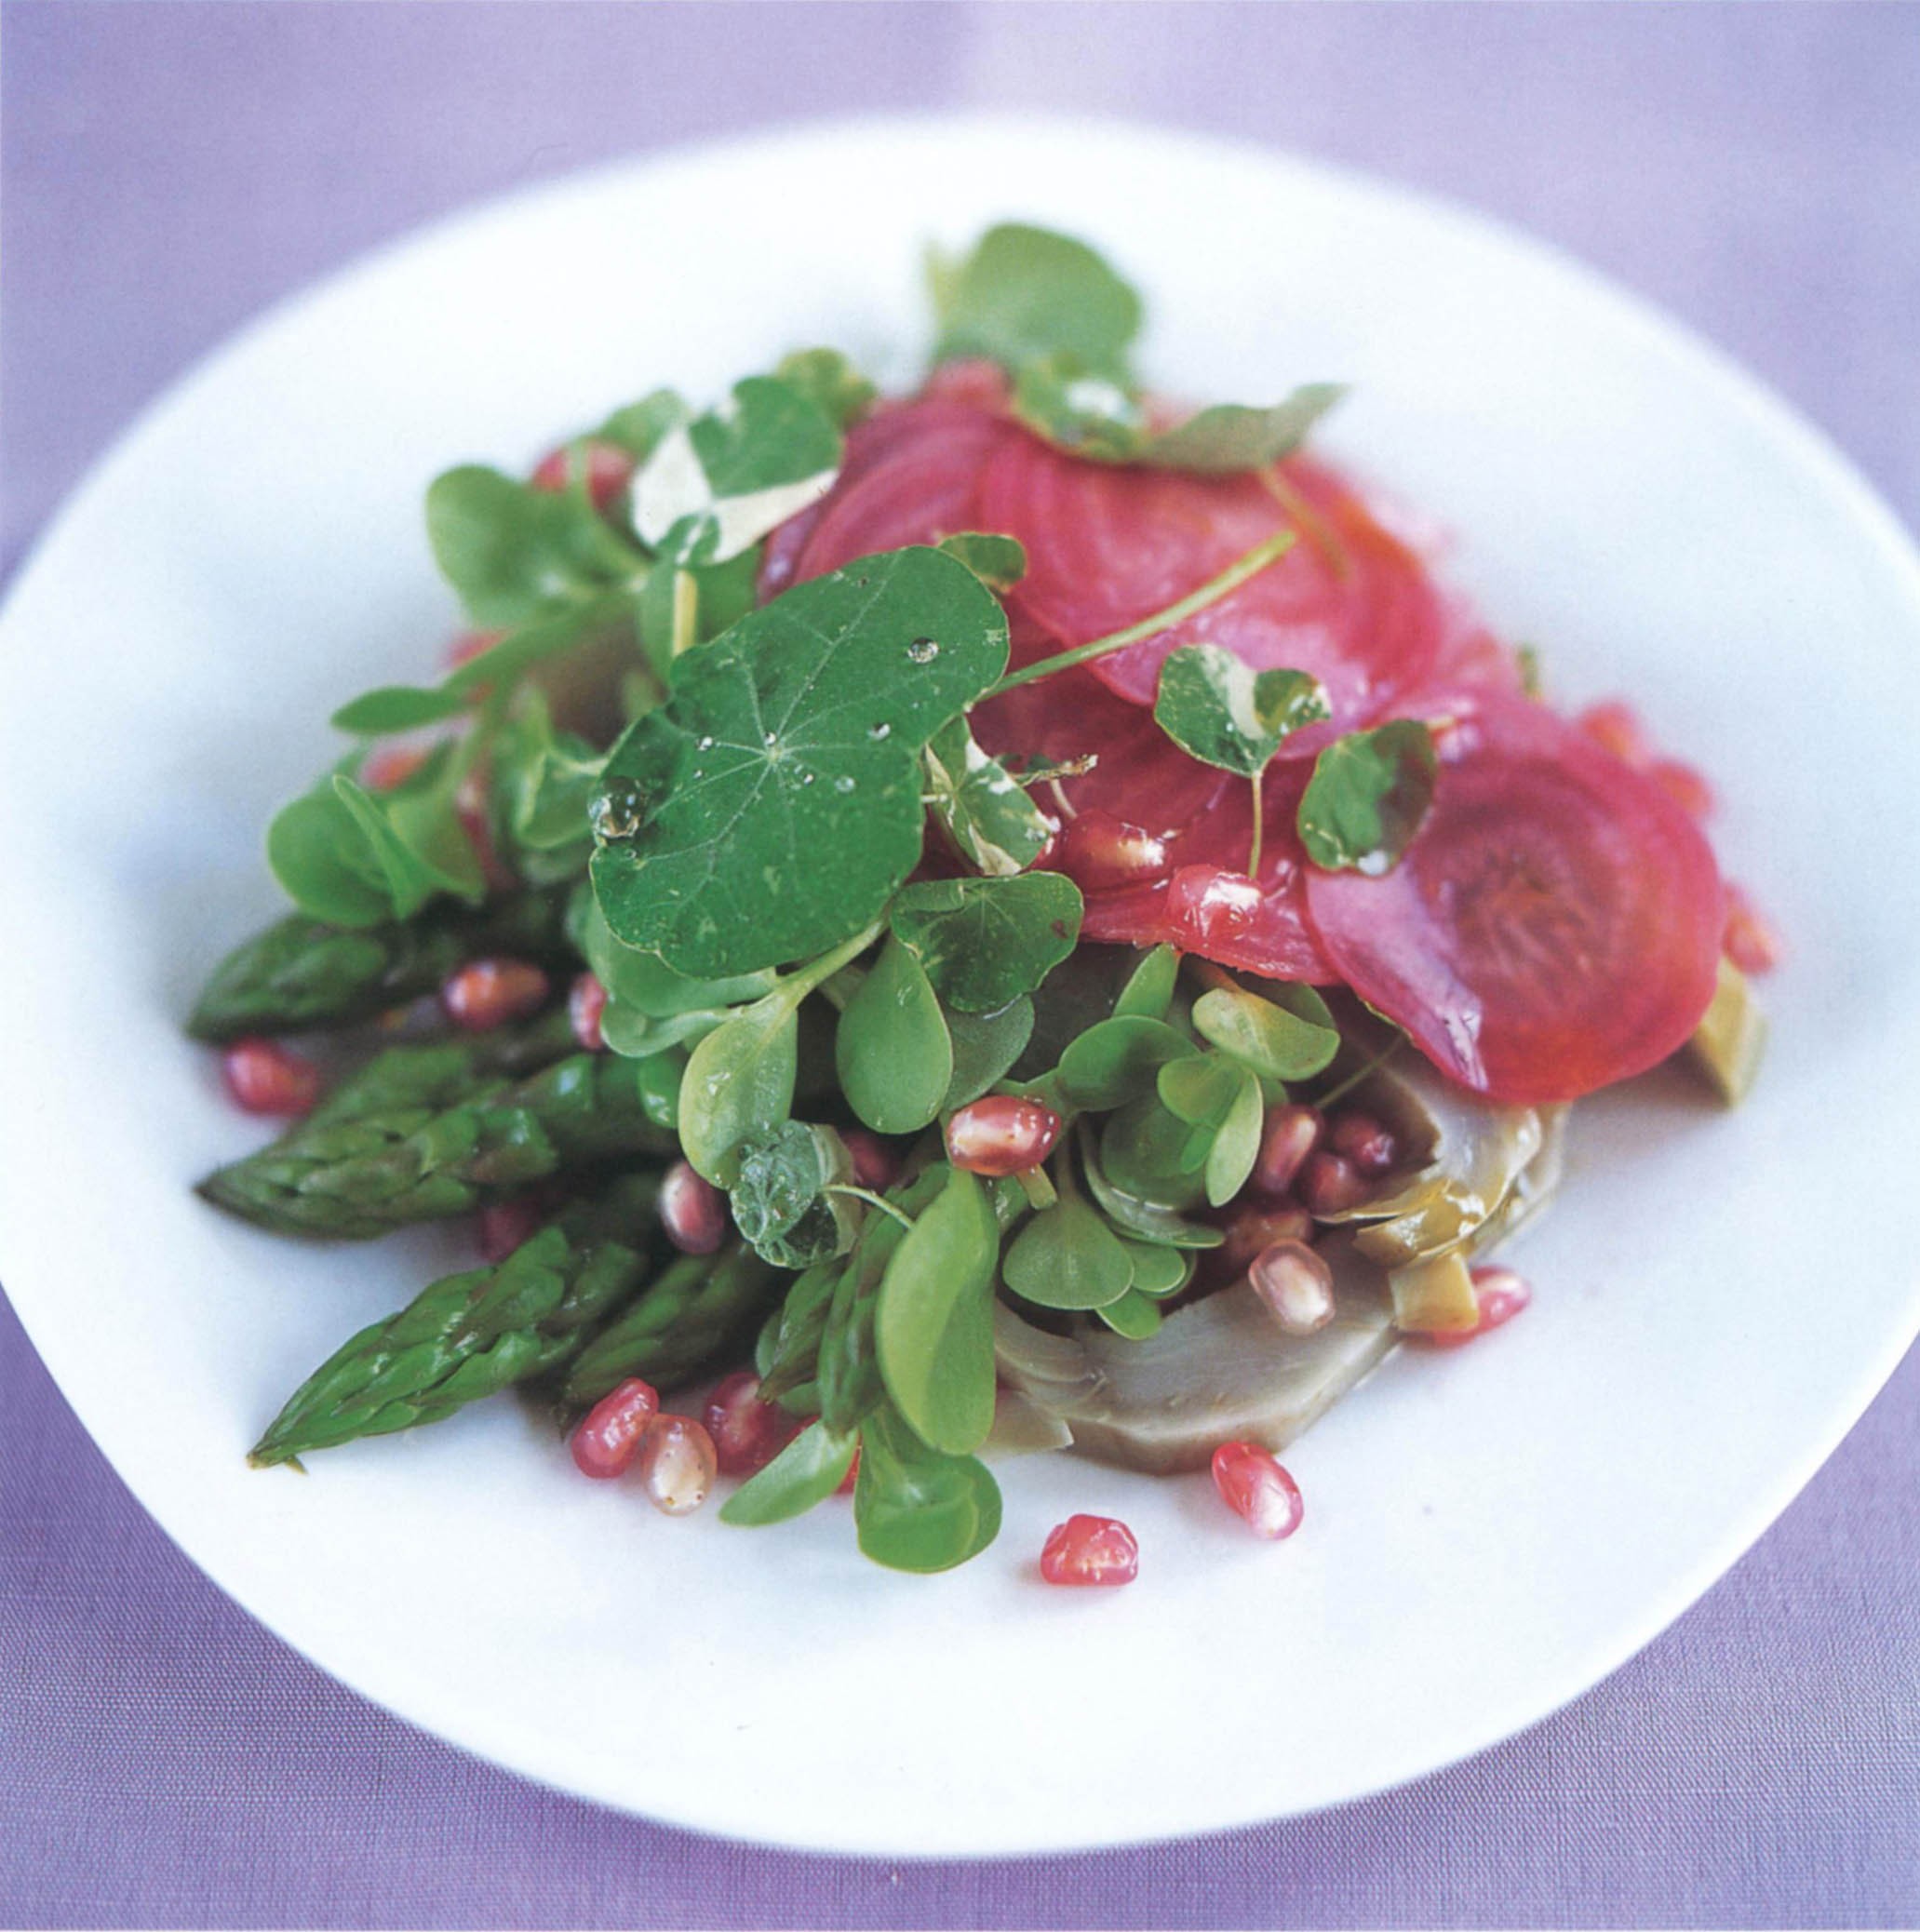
x=1210, y=592
x=870, y=1198
x=1259, y=829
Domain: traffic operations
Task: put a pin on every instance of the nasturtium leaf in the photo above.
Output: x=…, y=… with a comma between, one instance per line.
x=714, y=486
x=772, y=807
x=892, y=1051
x=988, y=942
x=1119, y=1060
x=396, y=708
x=1080, y=408
x=1149, y=991
x=782, y=1200
x=1140, y=1219
x=1025, y=292
x=829, y=382
x=1219, y=709
x=915, y=1508
x=1236, y=1143
x=1368, y=795
x=1264, y=1035
x=995, y=826
x=649, y=1005
x=1234, y=437
x=1157, y=1271
x=806, y=1472
x=1067, y=1257
x=638, y=427
x=1133, y=1316
x=515, y=553
x=985, y=1047
x=998, y=562
x=934, y=1323
x=738, y=1086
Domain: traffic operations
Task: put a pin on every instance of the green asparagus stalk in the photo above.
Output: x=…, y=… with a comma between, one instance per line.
x=300, y=973
x=360, y=1177
x=474, y=1334
x=681, y=1324
x=434, y=1074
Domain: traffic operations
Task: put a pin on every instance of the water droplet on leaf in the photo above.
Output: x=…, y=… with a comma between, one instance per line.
x=879, y=732
x=620, y=812
x=844, y=784
x=923, y=651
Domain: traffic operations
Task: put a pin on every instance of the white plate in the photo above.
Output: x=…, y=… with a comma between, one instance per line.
x=1488, y=1533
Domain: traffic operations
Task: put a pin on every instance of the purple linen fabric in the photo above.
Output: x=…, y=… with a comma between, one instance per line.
x=168, y=169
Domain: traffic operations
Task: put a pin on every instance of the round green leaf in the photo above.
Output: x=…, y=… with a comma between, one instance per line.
x=1067, y=1257
x=985, y=1047
x=738, y=1086
x=893, y=1052
x=1149, y=991
x=1132, y=1315
x=1264, y=1036
x=1236, y=1143
x=1117, y=1061
x=988, y=942
x=915, y=1508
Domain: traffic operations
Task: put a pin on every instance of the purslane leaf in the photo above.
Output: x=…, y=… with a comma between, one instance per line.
x=915, y=1508
x=1264, y=1036
x=1369, y=792
x=781, y=1200
x=807, y=1471
x=988, y=942
x=892, y=1050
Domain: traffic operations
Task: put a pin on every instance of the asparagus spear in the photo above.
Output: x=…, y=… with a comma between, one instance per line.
x=677, y=1327
x=434, y=1074
x=358, y=1178
x=301, y=974
x=473, y=1333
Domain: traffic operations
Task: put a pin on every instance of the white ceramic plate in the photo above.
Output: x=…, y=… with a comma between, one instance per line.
x=1488, y=1532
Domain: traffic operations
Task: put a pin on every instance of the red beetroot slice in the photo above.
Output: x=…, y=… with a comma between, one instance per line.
x=1107, y=546
x=1554, y=926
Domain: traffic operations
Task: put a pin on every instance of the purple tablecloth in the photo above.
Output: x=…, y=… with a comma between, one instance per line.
x=170, y=169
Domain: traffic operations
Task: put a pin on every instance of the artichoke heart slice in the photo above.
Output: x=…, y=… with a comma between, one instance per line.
x=1727, y=1045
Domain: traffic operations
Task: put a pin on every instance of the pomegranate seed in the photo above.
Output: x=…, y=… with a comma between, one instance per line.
x=1297, y=1285
x=748, y=1433
x=1367, y=1143
x=677, y=1464
x=508, y=1225
x=1001, y=1134
x=608, y=1438
x=606, y=472
x=469, y=807
x=1685, y=785
x=488, y=993
x=1253, y=1486
x=1098, y=851
x=1749, y=939
x=1330, y=1184
x=586, y=1004
x=877, y=1163
x=265, y=1077
x=693, y=1211
x=852, y=1475
x=1616, y=727
x=1252, y=1228
x=1091, y=1549
x=469, y=645
x=392, y=766
x=1290, y=1135
x=1499, y=1294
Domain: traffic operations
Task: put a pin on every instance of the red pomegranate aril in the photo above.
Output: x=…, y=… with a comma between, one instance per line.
x=1367, y=1143
x=877, y=1163
x=677, y=1464
x=1499, y=1294
x=1616, y=727
x=469, y=645
x=1287, y=1141
x=265, y=1077
x=472, y=809
x=1258, y=1490
x=1749, y=940
x=1099, y=851
x=607, y=468
x=1684, y=783
x=390, y=767
x=1295, y=1284
x=608, y=1438
x=508, y=1225
x=1001, y=1134
x=693, y=1211
x=748, y=1433
x=1330, y=1184
x=586, y=1002
x=852, y=1475
x=1099, y=1551
x=488, y=993
x=1254, y=1227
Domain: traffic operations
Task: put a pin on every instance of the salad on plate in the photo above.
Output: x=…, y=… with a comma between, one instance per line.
x=1021, y=916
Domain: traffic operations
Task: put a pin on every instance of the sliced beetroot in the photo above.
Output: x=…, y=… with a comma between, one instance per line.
x=1554, y=925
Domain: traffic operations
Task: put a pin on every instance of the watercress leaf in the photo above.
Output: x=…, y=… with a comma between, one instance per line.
x=1368, y=795
x=1142, y=1219
x=1236, y=1143
x=319, y=855
x=892, y=1051
x=1263, y=1034
x=1158, y=1271
x=396, y=708
x=1119, y=1060
x=995, y=826
x=915, y=1508
x=1067, y=1257
x=985, y=1048
x=933, y=1322
x=738, y=1086
x=986, y=942
x=514, y=552
x=998, y=562
x=712, y=487
x=782, y=1200
x=1220, y=710
x=829, y=382
x=638, y=427
x=1133, y=1315
x=772, y=805
x=1024, y=292
x=1233, y=436
x=806, y=1472
x=1149, y=992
